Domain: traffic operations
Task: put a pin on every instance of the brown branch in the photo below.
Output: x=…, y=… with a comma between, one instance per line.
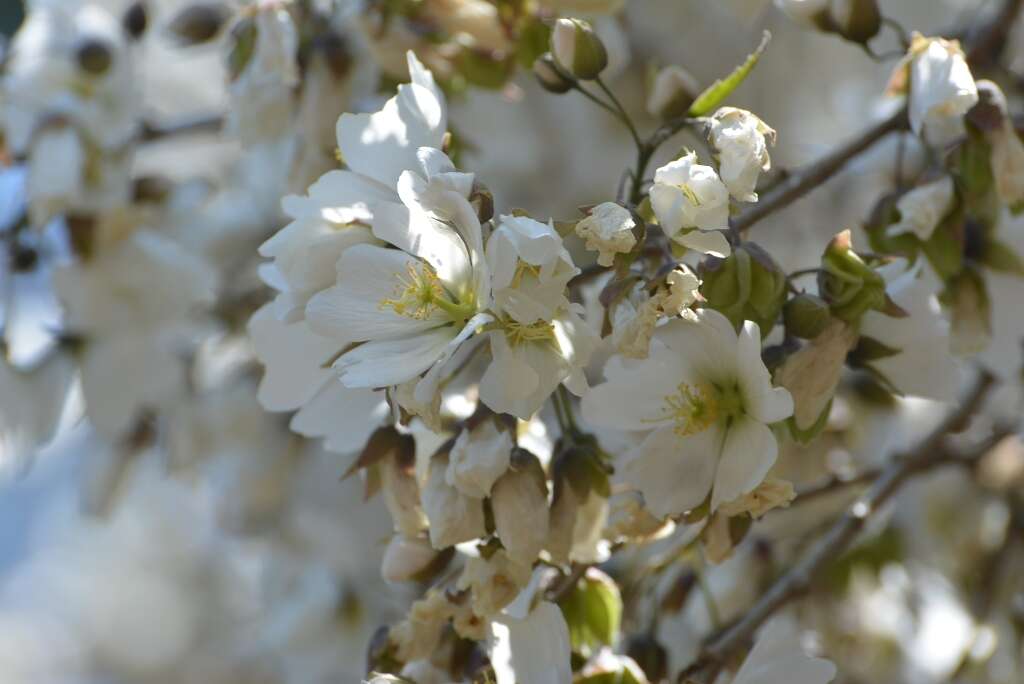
x=841, y=535
x=799, y=183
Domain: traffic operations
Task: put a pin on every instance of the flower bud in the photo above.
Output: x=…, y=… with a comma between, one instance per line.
x=520, y=504
x=401, y=492
x=551, y=76
x=493, y=582
x=94, y=57
x=856, y=20
x=812, y=373
x=454, y=517
x=1007, y=148
x=406, y=557
x=478, y=458
x=608, y=230
x=577, y=49
x=199, y=23
x=806, y=316
x=672, y=93
x=849, y=285
x=748, y=285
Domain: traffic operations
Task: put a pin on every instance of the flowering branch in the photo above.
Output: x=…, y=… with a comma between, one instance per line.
x=931, y=451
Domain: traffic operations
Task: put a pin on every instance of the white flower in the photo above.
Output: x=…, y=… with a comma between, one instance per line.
x=741, y=140
x=608, y=230
x=478, y=458
x=519, y=501
x=454, y=517
x=941, y=88
x=689, y=195
x=538, y=340
x=707, y=399
x=406, y=557
x=770, y=494
x=493, y=582
x=777, y=657
x=672, y=93
x=131, y=305
x=31, y=403
x=45, y=79
x=633, y=321
x=923, y=208
x=531, y=648
x=306, y=251
x=262, y=94
x=296, y=379
x=924, y=365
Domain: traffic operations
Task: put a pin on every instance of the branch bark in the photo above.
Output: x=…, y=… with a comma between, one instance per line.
x=841, y=535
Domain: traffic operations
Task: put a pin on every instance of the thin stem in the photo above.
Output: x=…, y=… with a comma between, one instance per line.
x=596, y=100
x=563, y=394
x=622, y=112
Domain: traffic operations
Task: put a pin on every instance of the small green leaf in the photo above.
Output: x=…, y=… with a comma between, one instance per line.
x=716, y=93
x=1001, y=258
x=869, y=349
x=593, y=612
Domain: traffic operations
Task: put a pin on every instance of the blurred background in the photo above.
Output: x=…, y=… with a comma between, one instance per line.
x=240, y=555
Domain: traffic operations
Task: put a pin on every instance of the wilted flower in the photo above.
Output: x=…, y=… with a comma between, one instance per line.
x=454, y=517
x=608, y=230
x=520, y=504
x=406, y=557
x=478, y=458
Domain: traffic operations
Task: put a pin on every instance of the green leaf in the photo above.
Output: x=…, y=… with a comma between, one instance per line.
x=593, y=612
x=1001, y=258
x=716, y=93
x=534, y=39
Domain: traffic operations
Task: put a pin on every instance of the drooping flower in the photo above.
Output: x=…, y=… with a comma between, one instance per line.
x=940, y=86
x=692, y=205
x=707, y=399
x=741, y=140
x=923, y=208
x=478, y=458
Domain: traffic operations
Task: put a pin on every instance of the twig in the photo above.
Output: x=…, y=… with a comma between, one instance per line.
x=795, y=581
x=799, y=183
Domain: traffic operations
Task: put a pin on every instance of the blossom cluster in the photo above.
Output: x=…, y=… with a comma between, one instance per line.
x=558, y=413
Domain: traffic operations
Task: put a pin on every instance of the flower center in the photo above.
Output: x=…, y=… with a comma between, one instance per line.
x=522, y=270
x=695, y=408
x=519, y=333
x=419, y=293
x=690, y=194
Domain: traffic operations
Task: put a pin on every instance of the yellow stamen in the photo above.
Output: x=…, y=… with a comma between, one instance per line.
x=523, y=268
x=694, y=409
x=417, y=294
x=690, y=195
x=518, y=333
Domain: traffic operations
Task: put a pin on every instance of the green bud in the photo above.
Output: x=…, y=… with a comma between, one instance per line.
x=806, y=316
x=849, y=285
x=577, y=49
x=857, y=20
x=551, y=76
x=748, y=285
x=245, y=34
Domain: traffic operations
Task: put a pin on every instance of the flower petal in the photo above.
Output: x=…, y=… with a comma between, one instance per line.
x=748, y=453
x=383, y=363
x=761, y=400
x=673, y=472
x=344, y=416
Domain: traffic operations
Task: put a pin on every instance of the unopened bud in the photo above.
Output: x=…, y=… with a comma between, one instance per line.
x=857, y=20
x=577, y=49
x=406, y=557
x=199, y=23
x=748, y=285
x=551, y=76
x=849, y=285
x=94, y=57
x=520, y=504
x=672, y=93
x=806, y=316
x=135, y=20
